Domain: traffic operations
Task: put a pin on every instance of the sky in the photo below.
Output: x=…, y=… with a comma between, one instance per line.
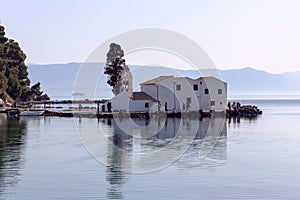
x=262, y=34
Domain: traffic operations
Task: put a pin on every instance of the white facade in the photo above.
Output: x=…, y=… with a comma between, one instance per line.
x=184, y=94
x=143, y=106
x=120, y=103
x=126, y=81
x=214, y=93
x=162, y=89
x=187, y=96
x=123, y=103
x=179, y=94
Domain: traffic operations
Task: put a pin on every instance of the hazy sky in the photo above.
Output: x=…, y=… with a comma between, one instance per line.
x=263, y=34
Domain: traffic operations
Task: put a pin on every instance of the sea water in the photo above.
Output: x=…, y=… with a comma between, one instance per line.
x=49, y=158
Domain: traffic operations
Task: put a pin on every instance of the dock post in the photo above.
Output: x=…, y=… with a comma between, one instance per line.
x=98, y=107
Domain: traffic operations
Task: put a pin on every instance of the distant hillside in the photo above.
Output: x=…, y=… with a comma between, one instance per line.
x=57, y=79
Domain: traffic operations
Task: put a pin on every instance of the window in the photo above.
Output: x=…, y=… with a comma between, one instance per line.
x=188, y=99
x=178, y=87
x=200, y=82
x=212, y=103
x=196, y=87
x=219, y=91
x=206, y=91
x=146, y=105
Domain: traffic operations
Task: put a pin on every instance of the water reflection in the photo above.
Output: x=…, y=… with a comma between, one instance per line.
x=237, y=119
x=207, y=149
x=12, y=139
x=115, y=175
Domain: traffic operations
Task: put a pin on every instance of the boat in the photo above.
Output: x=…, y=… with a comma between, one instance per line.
x=13, y=113
x=32, y=113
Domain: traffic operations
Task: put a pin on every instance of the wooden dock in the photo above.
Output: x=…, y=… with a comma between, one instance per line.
x=92, y=113
x=71, y=113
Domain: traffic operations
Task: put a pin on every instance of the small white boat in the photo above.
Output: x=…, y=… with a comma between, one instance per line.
x=32, y=113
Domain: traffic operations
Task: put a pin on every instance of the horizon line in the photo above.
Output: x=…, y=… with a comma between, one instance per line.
x=174, y=67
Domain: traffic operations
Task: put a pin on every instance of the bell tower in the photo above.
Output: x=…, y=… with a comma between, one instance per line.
x=127, y=81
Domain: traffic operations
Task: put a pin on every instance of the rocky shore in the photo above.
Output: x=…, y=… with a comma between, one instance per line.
x=246, y=111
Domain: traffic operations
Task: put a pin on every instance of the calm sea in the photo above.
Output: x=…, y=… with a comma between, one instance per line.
x=45, y=158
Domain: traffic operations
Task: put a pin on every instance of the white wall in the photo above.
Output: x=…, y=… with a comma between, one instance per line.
x=164, y=91
x=139, y=105
x=187, y=91
x=127, y=78
x=200, y=100
x=213, y=85
x=120, y=103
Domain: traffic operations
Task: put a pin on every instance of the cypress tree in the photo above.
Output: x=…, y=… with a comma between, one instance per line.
x=114, y=67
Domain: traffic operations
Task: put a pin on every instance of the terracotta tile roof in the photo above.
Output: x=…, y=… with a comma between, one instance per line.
x=155, y=80
x=209, y=77
x=203, y=78
x=182, y=77
x=142, y=96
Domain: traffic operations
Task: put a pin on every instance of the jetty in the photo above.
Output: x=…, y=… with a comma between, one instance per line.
x=234, y=109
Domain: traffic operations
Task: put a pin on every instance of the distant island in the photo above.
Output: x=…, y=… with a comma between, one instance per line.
x=245, y=81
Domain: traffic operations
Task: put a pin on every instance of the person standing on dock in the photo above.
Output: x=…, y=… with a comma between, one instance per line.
x=238, y=105
x=109, y=107
x=234, y=106
x=79, y=106
x=229, y=106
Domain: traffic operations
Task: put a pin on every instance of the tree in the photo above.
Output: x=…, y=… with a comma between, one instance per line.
x=14, y=79
x=35, y=90
x=114, y=67
x=14, y=88
x=3, y=78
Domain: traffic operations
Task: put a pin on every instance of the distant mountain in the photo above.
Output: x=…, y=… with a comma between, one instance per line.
x=58, y=79
x=291, y=75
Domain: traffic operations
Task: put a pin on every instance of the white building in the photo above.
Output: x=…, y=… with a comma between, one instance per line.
x=169, y=93
x=213, y=94
x=142, y=102
x=182, y=94
x=137, y=102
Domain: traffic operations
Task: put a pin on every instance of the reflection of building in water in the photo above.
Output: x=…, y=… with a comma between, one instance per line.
x=128, y=138
x=131, y=136
x=203, y=128
x=210, y=140
x=118, y=141
x=12, y=137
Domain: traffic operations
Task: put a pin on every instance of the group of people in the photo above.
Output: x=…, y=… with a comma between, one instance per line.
x=234, y=105
x=185, y=107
